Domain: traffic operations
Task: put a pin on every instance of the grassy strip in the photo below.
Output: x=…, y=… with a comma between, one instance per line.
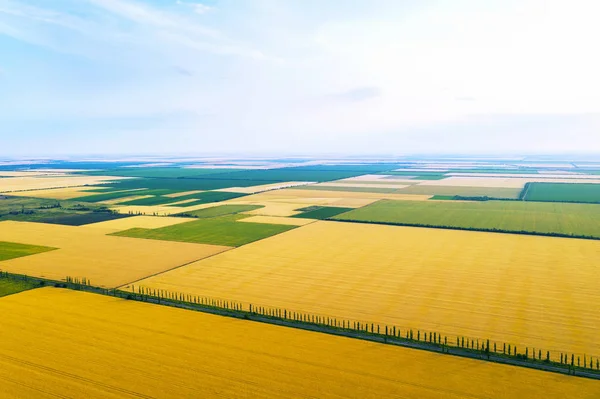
x=208, y=197
x=223, y=230
x=9, y=286
x=550, y=219
x=11, y=250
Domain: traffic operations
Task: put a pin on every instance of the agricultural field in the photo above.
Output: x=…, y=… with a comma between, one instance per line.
x=16, y=184
x=132, y=345
x=11, y=250
x=524, y=290
x=562, y=192
x=221, y=210
x=53, y=211
x=107, y=261
x=577, y=220
x=10, y=286
x=464, y=191
x=222, y=230
x=160, y=172
x=321, y=212
x=212, y=183
x=145, y=222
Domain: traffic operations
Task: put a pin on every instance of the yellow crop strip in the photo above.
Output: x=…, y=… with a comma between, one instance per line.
x=526, y=290
x=83, y=251
x=80, y=345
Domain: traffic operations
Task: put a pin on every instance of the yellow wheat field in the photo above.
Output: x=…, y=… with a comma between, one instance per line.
x=277, y=220
x=530, y=291
x=59, y=193
x=80, y=345
x=143, y=222
x=85, y=252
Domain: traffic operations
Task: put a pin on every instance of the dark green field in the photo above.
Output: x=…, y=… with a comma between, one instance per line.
x=11, y=250
x=221, y=210
x=116, y=194
x=418, y=175
x=52, y=211
x=321, y=212
x=562, y=192
x=9, y=286
x=576, y=220
x=224, y=230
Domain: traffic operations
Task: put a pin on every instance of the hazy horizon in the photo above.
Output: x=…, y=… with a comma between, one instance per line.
x=119, y=77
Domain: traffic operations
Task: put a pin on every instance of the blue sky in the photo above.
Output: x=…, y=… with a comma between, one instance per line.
x=304, y=76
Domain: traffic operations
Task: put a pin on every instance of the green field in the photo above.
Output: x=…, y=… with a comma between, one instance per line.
x=317, y=173
x=224, y=230
x=576, y=220
x=9, y=286
x=11, y=250
x=220, y=210
x=562, y=192
x=492, y=192
x=52, y=211
x=321, y=212
x=114, y=193
x=418, y=175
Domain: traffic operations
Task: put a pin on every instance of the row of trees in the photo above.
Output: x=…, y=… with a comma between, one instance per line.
x=431, y=338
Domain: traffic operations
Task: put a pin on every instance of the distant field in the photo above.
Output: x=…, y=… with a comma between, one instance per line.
x=350, y=189
x=213, y=183
x=418, y=175
x=222, y=210
x=11, y=250
x=317, y=173
x=321, y=212
x=223, y=230
x=161, y=172
x=494, y=192
x=207, y=197
x=115, y=193
x=82, y=219
x=9, y=287
x=526, y=290
x=138, y=350
x=509, y=216
x=562, y=192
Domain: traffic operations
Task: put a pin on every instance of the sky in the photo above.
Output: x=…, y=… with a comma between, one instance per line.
x=299, y=77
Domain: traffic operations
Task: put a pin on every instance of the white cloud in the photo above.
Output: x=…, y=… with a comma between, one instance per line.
x=267, y=73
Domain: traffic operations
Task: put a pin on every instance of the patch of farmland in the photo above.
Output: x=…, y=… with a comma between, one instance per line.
x=277, y=220
x=14, y=184
x=10, y=286
x=145, y=222
x=213, y=183
x=161, y=172
x=12, y=250
x=81, y=219
x=525, y=290
x=142, y=351
x=418, y=175
x=264, y=187
x=562, y=192
x=221, y=230
x=86, y=252
x=58, y=193
x=508, y=182
x=321, y=212
x=316, y=173
x=208, y=197
x=578, y=220
x=353, y=188
x=463, y=191
x=221, y=210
